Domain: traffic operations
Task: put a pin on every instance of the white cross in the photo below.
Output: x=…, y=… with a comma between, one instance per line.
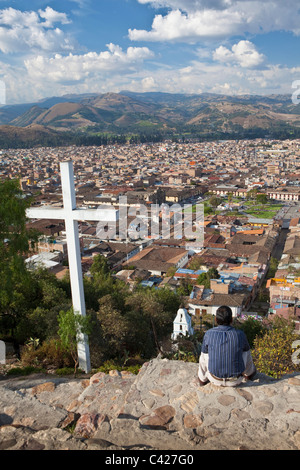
x=71, y=216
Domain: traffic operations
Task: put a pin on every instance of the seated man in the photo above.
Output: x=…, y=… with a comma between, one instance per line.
x=225, y=357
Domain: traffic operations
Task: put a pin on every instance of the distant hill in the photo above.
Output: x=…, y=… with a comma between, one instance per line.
x=29, y=136
x=204, y=116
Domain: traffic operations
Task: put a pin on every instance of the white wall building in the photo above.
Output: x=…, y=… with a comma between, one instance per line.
x=182, y=324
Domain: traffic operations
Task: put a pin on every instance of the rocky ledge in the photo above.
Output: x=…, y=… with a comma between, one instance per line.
x=162, y=408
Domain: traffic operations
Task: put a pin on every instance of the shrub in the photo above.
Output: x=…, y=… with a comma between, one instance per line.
x=50, y=354
x=67, y=371
x=252, y=328
x=133, y=369
x=25, y=370
x=112, y=365
x=71, y=327
x=109, y=365
x=272, y=353
x=186, y=350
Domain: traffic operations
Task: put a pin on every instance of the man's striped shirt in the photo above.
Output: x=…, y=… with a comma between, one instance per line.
x=225, y=346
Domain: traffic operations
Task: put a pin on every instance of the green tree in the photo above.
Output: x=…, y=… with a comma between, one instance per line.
x=143, y=304
x=214, y=201
x=51, y=298
x=115, y=327
x=100, y=267
x=71, y=327
x=261, y=199
x=170, y=301
x=207, y=210
x=213, y=273
x=229, y=197
x=16, y=288
x=252, y=328
x=251, y=194
x=171, y=271
x=272, y=267
x=101, y=283
x=204, y=278
x=196, y=263
x=272, y=352
x=151, y=320
x=185, y=287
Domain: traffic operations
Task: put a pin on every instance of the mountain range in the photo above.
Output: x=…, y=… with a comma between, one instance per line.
x=127, y=113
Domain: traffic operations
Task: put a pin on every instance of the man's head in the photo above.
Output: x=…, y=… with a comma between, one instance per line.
x=224, y=315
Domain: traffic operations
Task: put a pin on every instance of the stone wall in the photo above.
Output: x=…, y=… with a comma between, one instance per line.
x=162, y=408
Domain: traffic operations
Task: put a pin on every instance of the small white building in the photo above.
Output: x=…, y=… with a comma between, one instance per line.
x=46, y=260
x=182, y=324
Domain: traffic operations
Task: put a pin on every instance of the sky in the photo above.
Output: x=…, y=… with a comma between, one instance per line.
x=233, y=47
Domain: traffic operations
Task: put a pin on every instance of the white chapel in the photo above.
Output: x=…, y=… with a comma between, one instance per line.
x=182, y=324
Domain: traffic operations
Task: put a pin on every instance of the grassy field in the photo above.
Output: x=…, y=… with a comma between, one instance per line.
x=260, y=211
x=263, y=211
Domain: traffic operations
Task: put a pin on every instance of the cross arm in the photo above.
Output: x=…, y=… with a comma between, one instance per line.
x=48, y=212
x=45, y=212
x=104, y=215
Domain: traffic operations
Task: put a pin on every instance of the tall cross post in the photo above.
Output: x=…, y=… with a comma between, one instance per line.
x=71, y=215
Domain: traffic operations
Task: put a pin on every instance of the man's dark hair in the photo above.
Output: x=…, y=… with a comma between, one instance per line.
x=224, y=315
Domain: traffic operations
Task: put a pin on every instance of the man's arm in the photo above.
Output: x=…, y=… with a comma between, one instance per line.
x=246, y=346
x=204, y=348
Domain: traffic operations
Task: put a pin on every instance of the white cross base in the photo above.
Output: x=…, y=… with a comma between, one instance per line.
x=71, y=215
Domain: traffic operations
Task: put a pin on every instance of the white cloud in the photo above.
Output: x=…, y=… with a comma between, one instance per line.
x=43, y=77
x=22, y=31
x=197, y=5
x=188, y=5
x=202, y=19
x=81, y=3
x=74, y=68
x=180, y=26
x=215, y=77
x=240, y=68
x=243, y=53
x=51, y=16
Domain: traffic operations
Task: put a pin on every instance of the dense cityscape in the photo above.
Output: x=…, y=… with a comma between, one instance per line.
x=250, y=193
x=149, y=228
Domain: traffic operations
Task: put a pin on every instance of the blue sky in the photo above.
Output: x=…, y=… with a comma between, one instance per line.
x=51, y=48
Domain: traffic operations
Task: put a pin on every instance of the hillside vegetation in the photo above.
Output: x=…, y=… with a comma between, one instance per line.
x=149, y=116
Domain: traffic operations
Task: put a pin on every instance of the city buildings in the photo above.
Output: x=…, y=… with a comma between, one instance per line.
x=140, y=178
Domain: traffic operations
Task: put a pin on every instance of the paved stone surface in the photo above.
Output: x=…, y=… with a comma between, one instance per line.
x=162, y=408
